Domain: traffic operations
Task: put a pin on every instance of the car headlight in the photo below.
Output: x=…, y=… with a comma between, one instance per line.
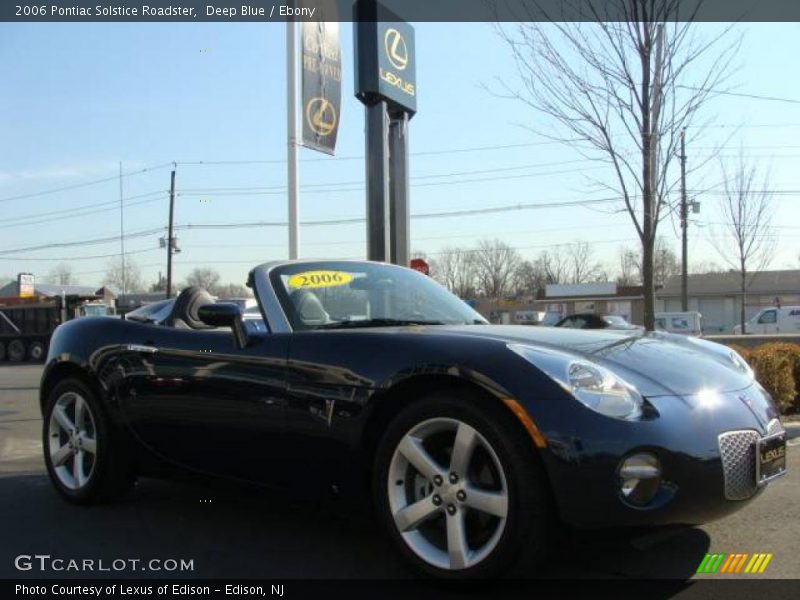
x=595, y=386
x=740, y=363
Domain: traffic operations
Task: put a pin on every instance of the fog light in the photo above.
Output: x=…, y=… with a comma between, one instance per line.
x=639, y=478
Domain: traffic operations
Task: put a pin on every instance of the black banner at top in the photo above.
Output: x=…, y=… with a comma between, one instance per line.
x=407, y=10
x=321, y=84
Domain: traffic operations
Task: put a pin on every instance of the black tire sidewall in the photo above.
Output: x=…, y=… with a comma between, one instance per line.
x=103, y=479
x=528, y=499
x=33, y=348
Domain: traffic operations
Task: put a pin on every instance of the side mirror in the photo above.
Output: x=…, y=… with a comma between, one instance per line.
x=225, y=314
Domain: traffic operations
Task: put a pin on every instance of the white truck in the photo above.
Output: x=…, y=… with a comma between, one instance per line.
x=688, y=323
x=785, y=319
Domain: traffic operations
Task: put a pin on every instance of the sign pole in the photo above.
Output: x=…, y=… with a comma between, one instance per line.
x=291, y=135
x=398, y=188
x=377, y=163
x=386, y=83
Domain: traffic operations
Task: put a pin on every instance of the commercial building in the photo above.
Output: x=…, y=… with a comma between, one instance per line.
x=718, y=297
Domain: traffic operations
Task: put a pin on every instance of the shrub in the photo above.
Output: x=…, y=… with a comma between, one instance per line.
x=775, y=367
x=792, y=351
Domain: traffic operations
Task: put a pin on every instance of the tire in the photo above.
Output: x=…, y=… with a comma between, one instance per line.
x=104, y=473
x=16, y=351
x=2, y=351
x=496, y=533
x=36, y=351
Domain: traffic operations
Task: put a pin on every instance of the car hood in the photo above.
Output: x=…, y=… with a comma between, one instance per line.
x=657, y=363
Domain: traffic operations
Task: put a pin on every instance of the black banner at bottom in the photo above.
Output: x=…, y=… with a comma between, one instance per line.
x=214, y=589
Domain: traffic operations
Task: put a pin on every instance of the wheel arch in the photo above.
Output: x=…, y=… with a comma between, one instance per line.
x=64, y=370
x=387, y=403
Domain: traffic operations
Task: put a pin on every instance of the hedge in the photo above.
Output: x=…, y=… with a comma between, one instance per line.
x=777, y=368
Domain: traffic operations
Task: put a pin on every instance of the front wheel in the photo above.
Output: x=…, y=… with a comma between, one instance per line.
x=460, y=490
x=84, y=461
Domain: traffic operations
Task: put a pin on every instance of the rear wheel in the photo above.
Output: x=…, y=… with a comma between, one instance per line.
x=16, y=351
x=84, y=461
x=2, y=351
x=36, y=351
x=459, y=490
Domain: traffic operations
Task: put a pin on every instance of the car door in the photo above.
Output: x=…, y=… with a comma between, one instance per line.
x=204, y=404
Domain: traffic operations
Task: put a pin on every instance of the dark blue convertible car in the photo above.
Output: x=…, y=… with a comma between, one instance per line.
x=472, y=441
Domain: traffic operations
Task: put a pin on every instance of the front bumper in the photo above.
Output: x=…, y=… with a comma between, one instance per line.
x=706, y=453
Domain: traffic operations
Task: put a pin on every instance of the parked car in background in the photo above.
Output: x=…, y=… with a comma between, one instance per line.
x=594, y=321
x=688, y=323
x=784, y=319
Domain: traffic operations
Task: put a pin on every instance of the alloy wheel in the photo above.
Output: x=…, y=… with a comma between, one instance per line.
x=72, y=441
x=447, y=493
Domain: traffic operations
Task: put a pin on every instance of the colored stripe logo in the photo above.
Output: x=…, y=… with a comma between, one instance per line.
x=739, y=562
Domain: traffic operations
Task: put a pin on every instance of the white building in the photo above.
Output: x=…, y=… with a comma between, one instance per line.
x=718, y=297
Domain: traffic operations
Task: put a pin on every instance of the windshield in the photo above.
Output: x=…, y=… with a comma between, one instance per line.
x=155, y=312
x=615, y=320
x=331, y=295
x=96, y=310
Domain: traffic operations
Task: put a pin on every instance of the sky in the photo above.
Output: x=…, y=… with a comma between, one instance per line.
x=76, y=100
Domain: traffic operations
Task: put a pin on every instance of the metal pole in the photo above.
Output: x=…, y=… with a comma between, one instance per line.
x=291, y=134
x=377, y=152
x=170, y=249
x=684, y=229
x=121, y=229
x=398, y=189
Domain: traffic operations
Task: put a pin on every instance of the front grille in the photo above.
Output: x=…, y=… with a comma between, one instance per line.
x=737, y=449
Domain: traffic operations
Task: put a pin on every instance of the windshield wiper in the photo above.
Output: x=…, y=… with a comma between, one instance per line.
x=377, y=323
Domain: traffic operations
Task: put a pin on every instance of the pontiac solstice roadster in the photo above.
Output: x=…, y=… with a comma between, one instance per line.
x=471, y=440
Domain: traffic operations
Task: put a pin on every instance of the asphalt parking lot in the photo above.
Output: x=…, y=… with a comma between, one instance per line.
x=239, y=534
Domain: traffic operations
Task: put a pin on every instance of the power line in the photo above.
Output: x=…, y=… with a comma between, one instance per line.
x=84, y=184
x=326, y=222
x=361, y=156
x=79, y=211
x=73, y=258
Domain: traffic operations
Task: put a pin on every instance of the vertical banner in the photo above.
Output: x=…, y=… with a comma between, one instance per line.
x=321, y=84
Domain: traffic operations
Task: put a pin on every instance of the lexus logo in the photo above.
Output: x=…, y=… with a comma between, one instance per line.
x=396, y=49
x=321, y=116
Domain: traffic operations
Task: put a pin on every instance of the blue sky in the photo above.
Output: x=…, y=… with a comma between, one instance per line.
x=77, y=99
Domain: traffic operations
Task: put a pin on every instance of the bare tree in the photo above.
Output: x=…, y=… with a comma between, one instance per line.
x=234, y=290
x=622, y=88
x=495, y=265
x=665, y=264
x=132, y=278
x=747, y=240
x=706, y=266
x=555, y=265
x=629, y=267
x=583, y=267
x=205, y=277
x=455, y=269
x=529, y=278
x=62, y=274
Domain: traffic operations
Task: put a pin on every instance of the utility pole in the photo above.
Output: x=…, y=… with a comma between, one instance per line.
x=121, y=229
x=684, y=229
x=170, y=238
x=292, y=162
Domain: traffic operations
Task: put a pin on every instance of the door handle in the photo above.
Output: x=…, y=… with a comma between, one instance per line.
x=142, y=349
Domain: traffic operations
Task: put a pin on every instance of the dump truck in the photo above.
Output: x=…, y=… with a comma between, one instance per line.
x=26, y=324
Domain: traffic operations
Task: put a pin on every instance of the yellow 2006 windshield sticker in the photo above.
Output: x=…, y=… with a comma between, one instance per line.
x=319, y=279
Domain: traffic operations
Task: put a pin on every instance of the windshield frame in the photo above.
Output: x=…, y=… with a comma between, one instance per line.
x=278, y=309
